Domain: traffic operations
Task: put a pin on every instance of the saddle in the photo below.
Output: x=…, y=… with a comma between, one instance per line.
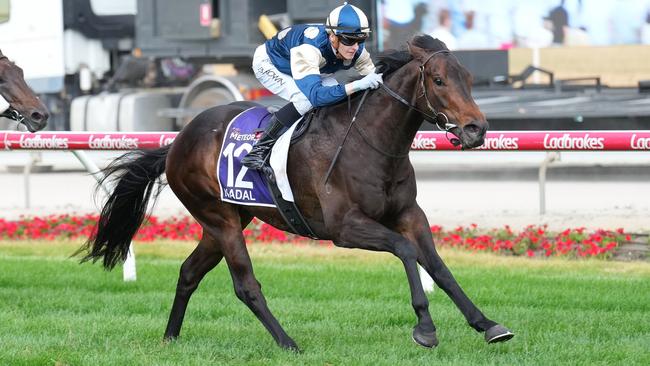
x=242, y=186
x=288, y=209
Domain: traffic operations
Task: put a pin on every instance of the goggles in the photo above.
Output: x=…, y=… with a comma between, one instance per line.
x=352, y=39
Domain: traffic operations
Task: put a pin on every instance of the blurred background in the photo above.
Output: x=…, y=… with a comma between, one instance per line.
x=151, y=65
x=125, y=65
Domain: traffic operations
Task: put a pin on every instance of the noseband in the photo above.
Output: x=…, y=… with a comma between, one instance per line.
x=13, y=114
x=433, y=116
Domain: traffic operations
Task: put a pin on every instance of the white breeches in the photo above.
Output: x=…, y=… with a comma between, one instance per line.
x=282, y=84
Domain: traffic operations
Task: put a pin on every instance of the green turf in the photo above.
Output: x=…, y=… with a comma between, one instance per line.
x=342, y=307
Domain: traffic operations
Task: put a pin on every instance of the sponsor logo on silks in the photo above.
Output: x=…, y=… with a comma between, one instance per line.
x=421, y=142
x=641, y=143
x=37, y=142
x=108, y=143
x=500, y=143
x=566, y=142
x=236, y=134
x=165, y=140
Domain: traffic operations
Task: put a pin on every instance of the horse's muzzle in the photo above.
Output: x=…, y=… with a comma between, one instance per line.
x=473, y=134
x=36, y=120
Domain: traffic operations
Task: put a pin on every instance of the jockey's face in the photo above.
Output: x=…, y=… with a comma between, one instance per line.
x=344, y=52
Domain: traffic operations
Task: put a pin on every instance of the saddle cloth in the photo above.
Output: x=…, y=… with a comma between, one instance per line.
x=244, y=186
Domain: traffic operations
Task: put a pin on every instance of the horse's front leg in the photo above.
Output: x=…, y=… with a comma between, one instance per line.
x=359, y=231
x=415, y=226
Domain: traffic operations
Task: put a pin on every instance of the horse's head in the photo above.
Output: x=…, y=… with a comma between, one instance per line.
x=20, y=103
x=445, y=91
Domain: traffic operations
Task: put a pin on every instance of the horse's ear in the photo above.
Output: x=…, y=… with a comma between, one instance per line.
x=416, y=51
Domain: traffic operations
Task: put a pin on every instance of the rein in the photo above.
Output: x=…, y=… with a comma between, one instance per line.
x=338, y=151
x=432, y=117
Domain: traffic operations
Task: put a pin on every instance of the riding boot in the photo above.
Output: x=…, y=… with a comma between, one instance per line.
x=257, y=157
x=281, y=120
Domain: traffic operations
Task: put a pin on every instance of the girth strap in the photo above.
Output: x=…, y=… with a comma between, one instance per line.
x=288, y=210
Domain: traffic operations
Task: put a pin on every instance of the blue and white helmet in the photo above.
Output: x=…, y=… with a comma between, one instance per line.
x=349, y=20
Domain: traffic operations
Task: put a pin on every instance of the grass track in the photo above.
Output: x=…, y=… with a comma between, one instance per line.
x=342, y=307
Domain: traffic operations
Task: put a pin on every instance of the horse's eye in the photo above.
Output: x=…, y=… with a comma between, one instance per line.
x=438, y=81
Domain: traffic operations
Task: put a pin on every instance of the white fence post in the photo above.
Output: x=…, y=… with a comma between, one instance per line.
x=551, y=156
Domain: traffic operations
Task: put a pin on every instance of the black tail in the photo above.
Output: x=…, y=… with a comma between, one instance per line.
x=134, y=175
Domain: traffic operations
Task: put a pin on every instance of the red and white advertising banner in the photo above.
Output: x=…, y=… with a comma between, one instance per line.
x=542, y=141
x=424, y=140
x=84, y=140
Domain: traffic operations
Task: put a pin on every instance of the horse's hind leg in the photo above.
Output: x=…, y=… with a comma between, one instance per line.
x=224, y=223
x=415, y=226
x=202, y=260
x=248, y=290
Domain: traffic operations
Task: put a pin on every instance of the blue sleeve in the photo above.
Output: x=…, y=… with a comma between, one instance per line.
x=319, y=95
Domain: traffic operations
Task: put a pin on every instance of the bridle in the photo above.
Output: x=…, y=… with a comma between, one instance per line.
x=432, y=116
x=13, y=114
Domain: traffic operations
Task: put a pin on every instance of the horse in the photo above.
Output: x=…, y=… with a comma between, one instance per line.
x=368, y=202
x=20, y=102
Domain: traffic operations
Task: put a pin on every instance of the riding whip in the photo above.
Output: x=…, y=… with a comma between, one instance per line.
x=338, y=151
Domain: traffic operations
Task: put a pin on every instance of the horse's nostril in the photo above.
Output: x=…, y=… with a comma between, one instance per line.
x=472, y=129
x=37, y=117
x=476, y=128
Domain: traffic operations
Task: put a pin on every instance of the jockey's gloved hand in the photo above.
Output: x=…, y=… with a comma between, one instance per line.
x=370, y=81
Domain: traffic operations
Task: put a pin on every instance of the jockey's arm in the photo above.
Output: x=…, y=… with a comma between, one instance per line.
x=305, y=69
x=364, y=64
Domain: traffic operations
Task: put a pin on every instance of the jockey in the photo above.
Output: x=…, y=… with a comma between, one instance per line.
x=297, y=63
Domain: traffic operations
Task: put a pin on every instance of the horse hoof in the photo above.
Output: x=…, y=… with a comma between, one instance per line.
x=291, y=346
x=425, y=339
x=498, y=333
x=169, y=339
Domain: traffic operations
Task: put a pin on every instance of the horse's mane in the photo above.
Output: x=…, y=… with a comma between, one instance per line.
x=391, y=60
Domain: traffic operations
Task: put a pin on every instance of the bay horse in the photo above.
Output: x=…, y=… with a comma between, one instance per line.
x=20, y=103
x=369, y=201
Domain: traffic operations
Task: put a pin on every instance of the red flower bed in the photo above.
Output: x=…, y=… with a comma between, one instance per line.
x=532, y=241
